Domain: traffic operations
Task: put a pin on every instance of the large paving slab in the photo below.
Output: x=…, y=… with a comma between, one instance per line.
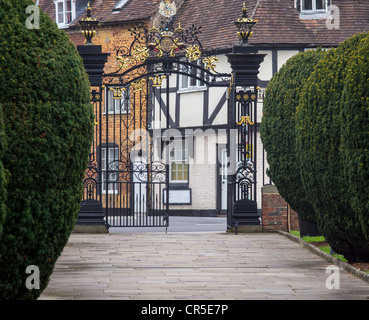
x=194, y=266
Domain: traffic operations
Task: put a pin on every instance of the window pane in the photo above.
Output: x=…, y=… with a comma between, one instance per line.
x=307, y=4
x=174, y=175
x=103, y=159
x=125, y=101
x=201, y=75
x=68, y=5
x=68, y=17
x=184, y=82
x=60, y=12
x=193, y=82
x=179, y=161
x=320, y=4
x=185, y=172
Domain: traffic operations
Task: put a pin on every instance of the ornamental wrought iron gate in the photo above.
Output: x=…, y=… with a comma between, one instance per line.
x=127, y=180
x=128, y=171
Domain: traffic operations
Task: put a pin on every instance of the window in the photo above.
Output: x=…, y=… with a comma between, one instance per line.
x=313, y=5
x=187, y=82
x=110, y=163
x=178, y=158
x=64, y=10
x=120, y=5
x=114, y=104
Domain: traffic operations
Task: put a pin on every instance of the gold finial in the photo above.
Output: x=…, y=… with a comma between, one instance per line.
x=88, y=25
x=244, y=25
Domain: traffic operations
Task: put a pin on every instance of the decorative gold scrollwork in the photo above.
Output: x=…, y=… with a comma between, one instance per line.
x=123, y=62
x=177, y=46
x=230, y=87
x=245, y=120
x=137, y=85
x=193, y=53
x=210, y=63
x=140, y=53
x=117, y=92
x=157, y=81
x=179, y=29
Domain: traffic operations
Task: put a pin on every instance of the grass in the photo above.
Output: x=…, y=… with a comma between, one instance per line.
x=324, y=248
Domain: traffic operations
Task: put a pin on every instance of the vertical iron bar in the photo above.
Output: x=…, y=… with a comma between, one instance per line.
x=167, y=158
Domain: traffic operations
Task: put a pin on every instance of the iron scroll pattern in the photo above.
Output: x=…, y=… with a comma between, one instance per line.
x=246, y=108
x=165, y=50
x=92, y=181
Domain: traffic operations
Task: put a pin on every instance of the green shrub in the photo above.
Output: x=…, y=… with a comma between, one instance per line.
x=318, y=138
x=3, y=173
x=44, y=91
x=278, y=129
x=355, y=133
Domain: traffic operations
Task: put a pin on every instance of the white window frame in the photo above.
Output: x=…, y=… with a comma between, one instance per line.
x=119, y=6
x=64, y=12
x=114, y=153
x=178, y=155
x=117, y=106
x=188, y=83
x=314, y=9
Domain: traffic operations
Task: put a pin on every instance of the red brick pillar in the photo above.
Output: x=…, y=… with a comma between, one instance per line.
x=276, y=214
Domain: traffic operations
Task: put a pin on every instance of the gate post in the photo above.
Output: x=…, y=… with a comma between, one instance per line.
x=91, y=216
x=242, y=131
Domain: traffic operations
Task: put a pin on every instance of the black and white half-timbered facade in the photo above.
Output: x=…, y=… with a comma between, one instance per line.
x=199, y=113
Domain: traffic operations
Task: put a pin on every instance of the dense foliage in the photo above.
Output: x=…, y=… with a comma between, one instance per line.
x=3, y=173
x=319, y=125
x=278, y=129
x=48, y=121
x=355, y=134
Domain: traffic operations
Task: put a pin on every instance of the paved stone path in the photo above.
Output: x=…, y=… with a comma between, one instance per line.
x=194, y=266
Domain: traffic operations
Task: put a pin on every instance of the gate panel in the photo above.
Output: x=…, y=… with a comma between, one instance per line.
x=133, y=182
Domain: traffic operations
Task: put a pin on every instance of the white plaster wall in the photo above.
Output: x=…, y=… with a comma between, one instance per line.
x=284, y=55
x=266, y=67
x=215, y=94
x=191, y=110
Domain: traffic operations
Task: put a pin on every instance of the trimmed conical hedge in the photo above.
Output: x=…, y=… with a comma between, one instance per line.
x=319, y=125
x=278, y=131
x=355, y=134
x=48, y=120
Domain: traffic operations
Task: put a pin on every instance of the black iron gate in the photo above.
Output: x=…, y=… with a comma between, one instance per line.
x=127, y=179
x=129, y=162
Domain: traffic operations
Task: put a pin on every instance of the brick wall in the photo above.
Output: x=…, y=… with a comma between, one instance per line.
x=276, y=214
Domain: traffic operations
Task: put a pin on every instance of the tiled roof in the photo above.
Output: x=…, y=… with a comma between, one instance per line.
x=102, y=10
x=279, y=22
x=134, y=10
x=48, y=7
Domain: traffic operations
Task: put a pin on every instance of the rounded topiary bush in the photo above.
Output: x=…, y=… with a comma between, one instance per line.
x=355, y=134
x=319, y=124
x=48, y=120
x=278, y=129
